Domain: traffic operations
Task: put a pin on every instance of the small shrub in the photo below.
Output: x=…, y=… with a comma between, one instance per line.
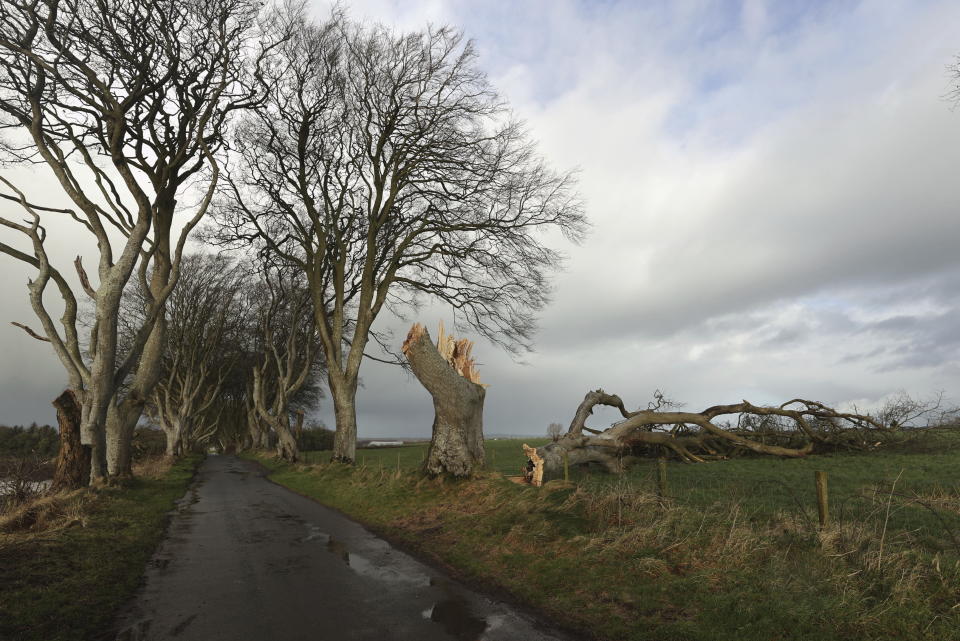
x=22, y=480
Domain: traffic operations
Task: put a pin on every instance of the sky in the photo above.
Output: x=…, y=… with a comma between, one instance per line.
x=774, y=201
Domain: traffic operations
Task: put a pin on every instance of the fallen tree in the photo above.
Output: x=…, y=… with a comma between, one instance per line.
x=792, y=430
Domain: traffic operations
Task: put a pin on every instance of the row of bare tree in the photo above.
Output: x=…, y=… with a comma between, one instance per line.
x=356, y=168
x=241, y=358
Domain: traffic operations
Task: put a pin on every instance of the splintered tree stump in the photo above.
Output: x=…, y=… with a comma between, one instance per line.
x=448, y=373
x=534, y=471
x=73, y=462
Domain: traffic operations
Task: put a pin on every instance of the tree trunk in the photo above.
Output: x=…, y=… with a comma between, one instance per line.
x=298, y=431
x=345, y=410
x=259, y=433
x=173, y=433
x=456, y=447
x=121, y=422
x=93, y=433
x=122, y=417
x=286, y=444
x=73, y=461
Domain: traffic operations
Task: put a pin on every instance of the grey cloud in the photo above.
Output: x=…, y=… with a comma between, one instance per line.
x=790, y=232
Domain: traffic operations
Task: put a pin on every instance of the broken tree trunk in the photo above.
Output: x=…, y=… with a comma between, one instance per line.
x=694, y=437
x=533, y=472
x=73, y=462
x=447, y=371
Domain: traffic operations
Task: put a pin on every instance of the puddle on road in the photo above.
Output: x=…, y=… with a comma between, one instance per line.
x=454, y=615
x=362, y=565
x=313, y=533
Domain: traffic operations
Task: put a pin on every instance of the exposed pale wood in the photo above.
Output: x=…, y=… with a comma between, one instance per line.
x=456, y=352
x=536, y=474
x=413, y=336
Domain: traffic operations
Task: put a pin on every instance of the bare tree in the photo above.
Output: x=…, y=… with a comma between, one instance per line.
x=388, y=170
x=287, y=355
x=554, y=430
x=126, y=102
x=953, y=71
x=205, y=318
x=904, y=410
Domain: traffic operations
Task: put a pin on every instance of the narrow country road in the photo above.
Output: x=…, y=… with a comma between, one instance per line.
x=246, y=559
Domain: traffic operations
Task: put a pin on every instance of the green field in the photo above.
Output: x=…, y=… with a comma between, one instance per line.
x=764, y=486
x=503, y=455
x=733, y=551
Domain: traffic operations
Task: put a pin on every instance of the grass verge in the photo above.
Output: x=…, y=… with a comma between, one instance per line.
x=69, y=562
x=612, y=559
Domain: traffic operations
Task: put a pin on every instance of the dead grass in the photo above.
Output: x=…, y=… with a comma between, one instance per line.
x=153, y=467
x=40, y=512
x=48, y=513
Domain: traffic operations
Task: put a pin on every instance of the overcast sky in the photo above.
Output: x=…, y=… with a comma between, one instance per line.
x=774, y=194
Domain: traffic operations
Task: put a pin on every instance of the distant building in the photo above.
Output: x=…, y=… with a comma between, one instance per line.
x=384, y=443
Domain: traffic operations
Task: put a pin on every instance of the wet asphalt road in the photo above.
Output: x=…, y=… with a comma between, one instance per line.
x=247, y=559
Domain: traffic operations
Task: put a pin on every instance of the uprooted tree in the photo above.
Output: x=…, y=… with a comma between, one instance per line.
x=448, y=372
x=793, y=430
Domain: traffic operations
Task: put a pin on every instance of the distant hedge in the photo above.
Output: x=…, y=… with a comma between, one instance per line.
x=36, y=440
x=316, y=437
x=44, y=441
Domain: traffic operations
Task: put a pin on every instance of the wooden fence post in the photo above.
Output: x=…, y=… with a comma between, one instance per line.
x=823, y=502
x=662, y=477
x=298, y=430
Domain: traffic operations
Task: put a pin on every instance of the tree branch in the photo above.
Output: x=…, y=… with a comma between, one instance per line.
x=29, y=331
